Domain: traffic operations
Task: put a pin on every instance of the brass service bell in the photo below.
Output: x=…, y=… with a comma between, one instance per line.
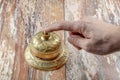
x=46, y=52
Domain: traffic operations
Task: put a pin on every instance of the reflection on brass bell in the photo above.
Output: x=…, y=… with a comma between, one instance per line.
x=46, y=52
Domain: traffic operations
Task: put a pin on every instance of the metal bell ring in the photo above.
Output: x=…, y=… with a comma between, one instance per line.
x=46, y=52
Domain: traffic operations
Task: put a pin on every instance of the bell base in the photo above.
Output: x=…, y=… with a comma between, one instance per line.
x=46, y=65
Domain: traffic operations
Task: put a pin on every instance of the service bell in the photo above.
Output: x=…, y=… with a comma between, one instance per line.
x=46, y=52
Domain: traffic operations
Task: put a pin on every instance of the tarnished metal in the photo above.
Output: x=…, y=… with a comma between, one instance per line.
x=46, y=52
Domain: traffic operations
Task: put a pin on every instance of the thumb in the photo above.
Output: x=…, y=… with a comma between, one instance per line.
x=78, y=41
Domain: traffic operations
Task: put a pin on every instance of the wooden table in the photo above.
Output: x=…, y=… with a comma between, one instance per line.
x=21, y=19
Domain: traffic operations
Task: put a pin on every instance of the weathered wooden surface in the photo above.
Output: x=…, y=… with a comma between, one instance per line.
x=85, y=66
x=21, y=19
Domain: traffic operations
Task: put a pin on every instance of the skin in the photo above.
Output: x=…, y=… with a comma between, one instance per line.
x=90, y=34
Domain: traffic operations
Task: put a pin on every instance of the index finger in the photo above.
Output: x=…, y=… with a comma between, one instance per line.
x=66, y=25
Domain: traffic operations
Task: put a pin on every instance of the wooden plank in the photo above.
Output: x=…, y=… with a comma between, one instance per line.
x=86, y=66
x=19, y=21
x=54, y=11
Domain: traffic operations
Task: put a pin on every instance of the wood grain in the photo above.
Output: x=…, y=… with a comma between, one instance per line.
x=86, y=66
x=19, y=21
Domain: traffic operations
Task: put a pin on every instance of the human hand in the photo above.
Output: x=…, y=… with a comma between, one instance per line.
x=90, y=34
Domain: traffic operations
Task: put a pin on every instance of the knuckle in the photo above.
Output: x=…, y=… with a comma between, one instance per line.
x=85, y=26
